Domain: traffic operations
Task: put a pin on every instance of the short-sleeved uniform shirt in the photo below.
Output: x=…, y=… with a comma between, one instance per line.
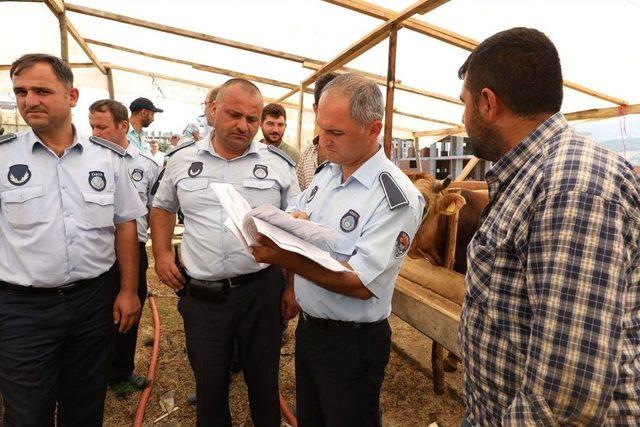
x=144, y=172
x=377, y=212
x=58, y=214
x=209, y=250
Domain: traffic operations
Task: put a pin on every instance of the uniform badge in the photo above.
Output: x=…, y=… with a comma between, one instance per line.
x=137, y=175
x=349, y=221
x=314, y=190
x=195, y=169
x=97, y=181
x=19, y=174
x=402, y=244
x=260, y=171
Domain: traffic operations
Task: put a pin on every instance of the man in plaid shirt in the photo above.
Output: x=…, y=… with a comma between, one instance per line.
x=550, y=327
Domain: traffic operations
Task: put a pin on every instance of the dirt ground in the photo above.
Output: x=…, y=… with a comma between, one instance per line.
x=407, y=393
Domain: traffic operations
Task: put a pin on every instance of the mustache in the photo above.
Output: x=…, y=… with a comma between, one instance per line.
x=34, y=110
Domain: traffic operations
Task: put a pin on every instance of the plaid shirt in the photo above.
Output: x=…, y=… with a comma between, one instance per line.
x=550, y=327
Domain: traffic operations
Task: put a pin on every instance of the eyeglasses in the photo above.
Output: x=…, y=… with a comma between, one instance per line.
x=204, y=104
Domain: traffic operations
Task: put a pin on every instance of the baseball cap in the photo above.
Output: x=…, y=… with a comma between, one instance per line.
x=143, y=104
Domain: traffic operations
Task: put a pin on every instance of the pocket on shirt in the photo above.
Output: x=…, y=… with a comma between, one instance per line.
x=99, y=210
x=24, y=207
x=193, y=184
x=258, y=183
x=261, y=191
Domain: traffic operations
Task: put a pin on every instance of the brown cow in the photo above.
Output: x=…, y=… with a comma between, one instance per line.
x=430, y=240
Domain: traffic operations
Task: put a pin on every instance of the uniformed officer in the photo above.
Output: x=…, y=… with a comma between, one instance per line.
x=227, y=294
x=67, y=210
x=108, y=120
x=343, y=337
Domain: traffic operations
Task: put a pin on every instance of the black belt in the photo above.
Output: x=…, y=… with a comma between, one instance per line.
x=67, y=289
x=318, y=323
x=215, y=289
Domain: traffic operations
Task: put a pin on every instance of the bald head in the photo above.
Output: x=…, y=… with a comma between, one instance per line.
x=245, y=85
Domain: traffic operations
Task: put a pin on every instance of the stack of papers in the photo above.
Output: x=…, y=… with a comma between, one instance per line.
x=295, y=235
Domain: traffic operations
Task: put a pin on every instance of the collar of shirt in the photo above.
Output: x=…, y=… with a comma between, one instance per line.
x=131, y=150
x=36, y=141
x=206, y=144
x=132, y=132
x=508, y=166
x=367, y=173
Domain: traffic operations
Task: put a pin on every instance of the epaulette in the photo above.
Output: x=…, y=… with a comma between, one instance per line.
x=279, y=152
x=321, y=166
x=108, y=144
x=7, y=137
x=395, y=196
x=179, y=147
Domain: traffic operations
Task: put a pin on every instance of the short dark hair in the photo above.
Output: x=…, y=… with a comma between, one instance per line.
x=246, y=84
x=321, y=82
x=273, y=110
x=60, y=68
x=521, y=66
x=117, y=110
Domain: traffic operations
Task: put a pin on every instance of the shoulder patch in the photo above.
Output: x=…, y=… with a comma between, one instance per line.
x=395, y=196
x=321, y=166
x=179, y=147
x=7, y=137
x=279, y=152
x=108, y=144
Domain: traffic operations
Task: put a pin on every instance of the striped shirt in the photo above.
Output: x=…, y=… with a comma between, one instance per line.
x=550, y=326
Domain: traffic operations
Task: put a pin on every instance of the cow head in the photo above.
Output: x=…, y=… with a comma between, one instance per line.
x=438, y=201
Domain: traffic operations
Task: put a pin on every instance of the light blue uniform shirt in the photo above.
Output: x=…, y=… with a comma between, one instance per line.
x=376, y=232
x=209, y=250
x=58, y=214
x=144, y=172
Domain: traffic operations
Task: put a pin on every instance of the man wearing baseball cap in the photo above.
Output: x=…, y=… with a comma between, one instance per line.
x=142, y=113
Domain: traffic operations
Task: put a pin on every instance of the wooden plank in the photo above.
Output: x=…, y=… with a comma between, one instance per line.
x=467, y=169
x=300, y=113
x=441, y=132
x=196, y=65
x=383, y=81
x=110, y=87
x=428, y=312
x=184, y=33
x=604, y=113
x=314, y=65
x=64, y=37
x=428, y=119
x=449, y=37
x=448, y=284
x=56, y=6
x=437, y=367
x=594, y=113
x=416, y=151
x=368, y=41
x=7, y=67
x=391, y=81
x=85, y=47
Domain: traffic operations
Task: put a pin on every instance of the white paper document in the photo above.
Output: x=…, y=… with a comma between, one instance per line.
x=300, y=236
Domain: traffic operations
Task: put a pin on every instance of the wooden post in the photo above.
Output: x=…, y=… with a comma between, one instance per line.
x=300, y=112
x=64, y=39
x=437, y=351
x=467, y=169
x=416, y=151
x=391, y=81
x=110, y=83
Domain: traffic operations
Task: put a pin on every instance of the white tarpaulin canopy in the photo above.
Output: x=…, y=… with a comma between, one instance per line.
x=596, y=41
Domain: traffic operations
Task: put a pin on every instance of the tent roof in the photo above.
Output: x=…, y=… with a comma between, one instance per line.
x=594, y=50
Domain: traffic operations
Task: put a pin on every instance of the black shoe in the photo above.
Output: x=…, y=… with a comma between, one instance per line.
x=138, y=382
